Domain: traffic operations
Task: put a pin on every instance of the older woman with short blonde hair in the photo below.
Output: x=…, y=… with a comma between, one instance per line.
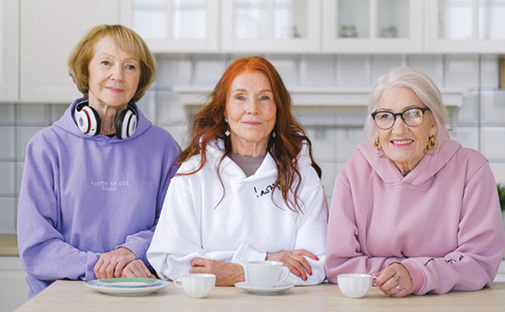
x=94, y=182
x=126, y=39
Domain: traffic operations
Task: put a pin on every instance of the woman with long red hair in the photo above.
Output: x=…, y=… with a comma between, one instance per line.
x=247, y=188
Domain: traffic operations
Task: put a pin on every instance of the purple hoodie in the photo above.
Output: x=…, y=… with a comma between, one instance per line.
x=82, y=196
x=442, y=221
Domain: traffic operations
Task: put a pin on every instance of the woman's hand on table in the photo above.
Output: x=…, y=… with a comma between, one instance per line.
x=296, y=261
x=111, y=264
x=394, y=281
x=227, y=274
x=136, y=268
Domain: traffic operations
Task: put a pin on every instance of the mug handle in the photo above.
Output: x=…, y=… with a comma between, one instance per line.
x=178, y=281
x=371, y=282
x=284, y=275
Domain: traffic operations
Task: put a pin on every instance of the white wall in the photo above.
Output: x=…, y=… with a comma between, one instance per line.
x=335, y=132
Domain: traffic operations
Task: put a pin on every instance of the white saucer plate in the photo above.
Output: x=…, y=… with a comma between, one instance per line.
x=127, y=286
x=264, y=291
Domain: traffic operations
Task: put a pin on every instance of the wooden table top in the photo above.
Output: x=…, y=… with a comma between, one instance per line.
x=76, y=296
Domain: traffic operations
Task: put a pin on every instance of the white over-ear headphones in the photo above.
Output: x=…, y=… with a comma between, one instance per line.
x=88, y=120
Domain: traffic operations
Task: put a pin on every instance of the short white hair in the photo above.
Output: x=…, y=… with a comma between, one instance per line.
x=425, y=89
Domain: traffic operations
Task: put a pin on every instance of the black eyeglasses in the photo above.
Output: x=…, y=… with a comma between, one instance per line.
x=412, y=117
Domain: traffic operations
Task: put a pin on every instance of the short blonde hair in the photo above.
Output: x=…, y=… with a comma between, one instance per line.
x=423, y=87
x=128, y=40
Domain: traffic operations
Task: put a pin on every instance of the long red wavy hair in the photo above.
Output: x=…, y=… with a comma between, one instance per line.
x=209, y=123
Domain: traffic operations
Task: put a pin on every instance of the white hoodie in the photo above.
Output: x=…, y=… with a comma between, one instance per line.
x=245, y=224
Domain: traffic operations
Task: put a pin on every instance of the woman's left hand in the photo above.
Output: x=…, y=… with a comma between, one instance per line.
x=136, y=268
x=227, y=274
x=394, y=281
x=296, y=261
x=111, y=264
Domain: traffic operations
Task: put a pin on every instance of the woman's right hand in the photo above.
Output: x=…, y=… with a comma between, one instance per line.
x=227, y=274
x=394, y=280
x=296, y=261
x=112, y=263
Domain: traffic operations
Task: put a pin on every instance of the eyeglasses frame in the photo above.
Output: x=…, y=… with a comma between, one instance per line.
x=422, y=109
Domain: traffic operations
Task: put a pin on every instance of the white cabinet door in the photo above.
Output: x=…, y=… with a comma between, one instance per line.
x=175, y=25
x=465, y=26
x=49, y=31
x=14, y=290
x=9, y=34
x=271, y=26
x=372, y=26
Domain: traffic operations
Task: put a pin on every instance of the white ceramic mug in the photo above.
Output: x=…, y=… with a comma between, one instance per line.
x=355, y=285
x=266, y=274
x=196, y=285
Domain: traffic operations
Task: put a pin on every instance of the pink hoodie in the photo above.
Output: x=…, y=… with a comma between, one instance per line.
x=442, y=221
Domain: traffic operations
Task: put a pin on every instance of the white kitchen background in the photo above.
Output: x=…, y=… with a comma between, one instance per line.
x=335, y=130
x=328, y=52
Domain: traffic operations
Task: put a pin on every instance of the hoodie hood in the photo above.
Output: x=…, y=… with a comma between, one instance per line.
x=67, y=123
x=425, y=169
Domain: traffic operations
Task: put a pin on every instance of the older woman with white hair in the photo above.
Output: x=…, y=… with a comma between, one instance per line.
x=412, y=207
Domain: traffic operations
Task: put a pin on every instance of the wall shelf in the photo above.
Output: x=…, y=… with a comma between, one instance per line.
x=339, y=101
x=326, y=97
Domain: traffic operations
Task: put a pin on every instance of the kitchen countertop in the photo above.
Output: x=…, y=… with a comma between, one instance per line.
x=325, y=297
x=9, y=245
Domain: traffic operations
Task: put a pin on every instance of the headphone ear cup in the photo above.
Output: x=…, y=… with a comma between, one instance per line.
x=126, y=123
x=87, y=119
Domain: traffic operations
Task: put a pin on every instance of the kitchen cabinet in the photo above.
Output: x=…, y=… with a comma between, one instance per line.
x=372, y=26
x=14, y=289
x=231, y=26
x=464, y=26
x=270, y=26
x=9, y=37
x=175, y=25
x=48, y=32
x=319, y=26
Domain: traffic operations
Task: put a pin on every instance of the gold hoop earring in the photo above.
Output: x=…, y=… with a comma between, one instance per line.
x=378, y=147
x=432, y=144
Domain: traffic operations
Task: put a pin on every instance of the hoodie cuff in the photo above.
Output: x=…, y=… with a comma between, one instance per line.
x=416, y=275
x=92, y=259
